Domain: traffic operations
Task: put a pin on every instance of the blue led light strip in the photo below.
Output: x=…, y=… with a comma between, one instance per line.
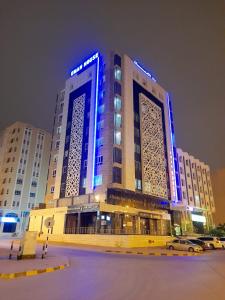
x=147, y=73
x=95, y=120
x=172, y=144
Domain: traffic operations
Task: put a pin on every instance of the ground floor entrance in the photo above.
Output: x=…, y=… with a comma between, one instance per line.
x=111, y=221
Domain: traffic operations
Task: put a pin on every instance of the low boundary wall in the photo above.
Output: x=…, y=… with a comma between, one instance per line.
x=123, y=241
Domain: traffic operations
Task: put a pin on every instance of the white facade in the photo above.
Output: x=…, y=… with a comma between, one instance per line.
x=24, y=162
x=196, y=191
x=111, y=130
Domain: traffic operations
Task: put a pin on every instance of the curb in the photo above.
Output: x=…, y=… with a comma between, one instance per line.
x=32, y=272
x=152, y=253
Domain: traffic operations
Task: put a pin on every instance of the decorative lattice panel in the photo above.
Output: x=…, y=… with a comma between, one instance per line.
x=75, y=150
x=154, y=174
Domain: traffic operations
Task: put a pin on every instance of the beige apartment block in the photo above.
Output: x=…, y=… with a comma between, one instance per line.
x=24, y=159
x=218, y=182
x=196, y=201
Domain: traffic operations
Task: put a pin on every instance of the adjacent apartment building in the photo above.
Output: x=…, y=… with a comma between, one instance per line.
x=24, y=159
x=112, y=158
x=196, y=208
x=218, y=182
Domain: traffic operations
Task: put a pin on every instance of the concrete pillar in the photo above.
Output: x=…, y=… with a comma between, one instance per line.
x=78, y=222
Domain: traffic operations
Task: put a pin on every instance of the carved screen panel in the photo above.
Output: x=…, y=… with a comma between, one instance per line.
x=154, y=174
x=75, y=150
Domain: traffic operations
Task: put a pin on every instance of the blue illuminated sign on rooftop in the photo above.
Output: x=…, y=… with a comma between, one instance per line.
x=84, y=64
x=147, y=73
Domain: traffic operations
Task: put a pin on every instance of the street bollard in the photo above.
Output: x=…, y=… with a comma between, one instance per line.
x=43, y=251
x=11, y=250
x=19, y=255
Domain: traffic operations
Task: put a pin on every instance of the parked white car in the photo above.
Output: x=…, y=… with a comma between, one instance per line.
x=213, y=241
x=185, y=245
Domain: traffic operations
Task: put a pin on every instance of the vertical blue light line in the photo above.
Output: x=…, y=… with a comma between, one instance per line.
x=95, y=121
x=172, y=143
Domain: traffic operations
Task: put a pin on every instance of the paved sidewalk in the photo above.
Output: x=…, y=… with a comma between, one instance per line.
x=27, y=267
x=157, y=251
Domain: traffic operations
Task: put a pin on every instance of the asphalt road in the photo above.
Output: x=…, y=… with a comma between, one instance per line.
x=103, y=276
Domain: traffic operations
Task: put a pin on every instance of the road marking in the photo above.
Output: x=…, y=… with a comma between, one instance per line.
x=153, y=253
x=32, y=272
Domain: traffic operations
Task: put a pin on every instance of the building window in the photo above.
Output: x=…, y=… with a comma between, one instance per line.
x=59, y=130
x=99, y=160
x=138, y=184
x=60, y=119
x=57, y=143
x=117, y=60
x=117, y=120
x=52, y=189
x=32, y=195
x=117, y=103
x=98, y=180
x=137, y=148
x=117, y=137
x=54, y=173
x=101, y=109
x=34, y=183
x=17, y=192
x=5, y=203
x=184, y=195
x=117, y=74
x=117, y=175
x=99, y=142
x=100, y=125
x=117, y=155
x=19, y=181
x=117, y=88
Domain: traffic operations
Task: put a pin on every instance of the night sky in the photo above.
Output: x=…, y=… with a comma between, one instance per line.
x=181, y=42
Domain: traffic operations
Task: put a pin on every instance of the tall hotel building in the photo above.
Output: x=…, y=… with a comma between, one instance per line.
x=112, y=160
x=24, y=157
x=196, y=206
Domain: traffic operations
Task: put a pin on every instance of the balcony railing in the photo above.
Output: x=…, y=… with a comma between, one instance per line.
x=110, y=231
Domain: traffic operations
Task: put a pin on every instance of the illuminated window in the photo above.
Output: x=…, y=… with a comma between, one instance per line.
x=98, y=180
x=99, y=142
x=101, y=109
x=117, y=103
x=117, y=120
x=138, y=184
x=117, y=73
x=84, y=182
x=117, y=137
x=59, y=130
